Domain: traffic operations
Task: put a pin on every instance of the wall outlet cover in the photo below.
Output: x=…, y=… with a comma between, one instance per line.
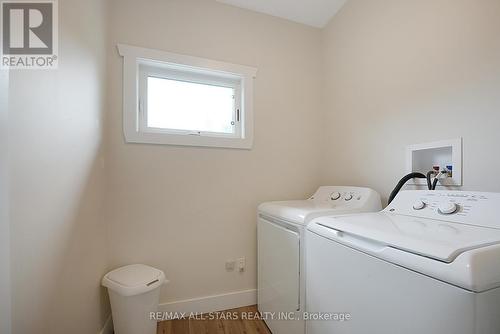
x=230, y=264
x=241, y=264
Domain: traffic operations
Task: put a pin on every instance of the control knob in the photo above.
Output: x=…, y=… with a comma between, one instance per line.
x=419, y=205
x=447, y=208
x=335, y=196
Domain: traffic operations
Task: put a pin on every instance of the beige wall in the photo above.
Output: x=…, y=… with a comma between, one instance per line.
x=331, y=107
x=57, y=234
x=186, y=210
x=5, y=295
x=401, y=72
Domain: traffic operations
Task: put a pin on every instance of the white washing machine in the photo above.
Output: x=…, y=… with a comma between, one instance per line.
x=281, y=279
x=429, y=263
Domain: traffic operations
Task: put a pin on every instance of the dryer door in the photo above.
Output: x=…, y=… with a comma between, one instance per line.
x=278, y=272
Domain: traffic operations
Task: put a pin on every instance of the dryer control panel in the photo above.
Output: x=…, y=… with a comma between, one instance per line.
x=327, y=200
x=464, y=207
x=340, y=194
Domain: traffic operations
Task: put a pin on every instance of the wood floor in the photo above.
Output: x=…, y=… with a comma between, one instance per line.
x=224, y=322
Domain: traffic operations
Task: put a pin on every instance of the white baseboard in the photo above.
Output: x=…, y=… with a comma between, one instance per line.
x=108, y=326
x=214, y=303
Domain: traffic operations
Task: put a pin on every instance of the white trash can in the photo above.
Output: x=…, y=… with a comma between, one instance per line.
x=134, y=292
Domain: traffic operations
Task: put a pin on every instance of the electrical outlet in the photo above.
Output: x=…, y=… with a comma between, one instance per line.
x=230, y=265
x=241, y=264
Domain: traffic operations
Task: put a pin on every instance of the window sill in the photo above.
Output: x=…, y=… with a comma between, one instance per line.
x=187, y=140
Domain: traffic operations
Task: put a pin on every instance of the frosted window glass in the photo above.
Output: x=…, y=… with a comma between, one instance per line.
x=181, y=105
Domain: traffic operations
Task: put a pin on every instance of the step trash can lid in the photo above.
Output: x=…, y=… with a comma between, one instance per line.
x=134, y=279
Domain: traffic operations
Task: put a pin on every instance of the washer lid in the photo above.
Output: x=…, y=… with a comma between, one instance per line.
x=435, y=239
x=133, y=279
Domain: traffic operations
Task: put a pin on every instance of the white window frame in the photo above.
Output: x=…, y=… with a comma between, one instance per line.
x=147, y=69
x=140, y=62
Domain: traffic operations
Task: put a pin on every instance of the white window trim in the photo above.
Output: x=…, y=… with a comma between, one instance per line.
x=134, y=133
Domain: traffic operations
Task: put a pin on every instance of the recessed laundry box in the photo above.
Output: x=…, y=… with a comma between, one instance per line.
x=134, y=292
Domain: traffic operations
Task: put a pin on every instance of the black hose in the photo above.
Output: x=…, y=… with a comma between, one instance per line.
x=429, y=183
x=434, y=184
x=402, y=182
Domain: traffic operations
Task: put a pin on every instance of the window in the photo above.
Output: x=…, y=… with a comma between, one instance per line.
x=182, y=100
x=179, y=102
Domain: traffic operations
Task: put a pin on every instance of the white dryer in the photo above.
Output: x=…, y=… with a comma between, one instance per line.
x=429, y=263
x=281, y=226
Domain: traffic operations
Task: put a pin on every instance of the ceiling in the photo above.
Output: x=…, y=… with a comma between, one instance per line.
x=316, y=13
